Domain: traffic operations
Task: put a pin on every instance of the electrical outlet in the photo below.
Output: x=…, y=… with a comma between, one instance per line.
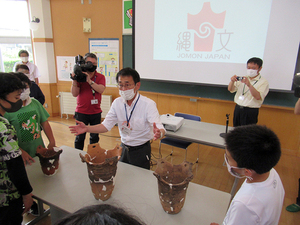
x=46, y=105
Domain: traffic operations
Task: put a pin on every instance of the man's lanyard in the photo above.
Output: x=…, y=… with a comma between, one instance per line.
x=252, y=85
x=131, y=110
x=93, y=91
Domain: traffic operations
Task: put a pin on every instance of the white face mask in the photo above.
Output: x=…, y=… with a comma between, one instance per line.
x=232, y=172
x=251, y=72
x=128, y=94
x=24, y=59
x=25, y=94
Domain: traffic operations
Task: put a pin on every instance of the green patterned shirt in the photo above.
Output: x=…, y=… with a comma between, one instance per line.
x=9, y=149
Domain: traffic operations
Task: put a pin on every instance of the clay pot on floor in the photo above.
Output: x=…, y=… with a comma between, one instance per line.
x=173, y=181
x=102, y=169
x=49, y=159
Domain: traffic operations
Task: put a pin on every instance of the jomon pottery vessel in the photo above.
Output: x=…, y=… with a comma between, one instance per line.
x=49, y=159
x=173, y=181
x=102, y=169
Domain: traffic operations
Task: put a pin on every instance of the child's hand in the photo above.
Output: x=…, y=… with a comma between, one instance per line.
x=27, y=159
x=27, y=201
x=51, y=145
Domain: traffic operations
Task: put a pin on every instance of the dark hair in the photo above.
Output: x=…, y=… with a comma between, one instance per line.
x=129, y=73
x=256, y=60
x=23, y=78
x=90, y=55
x=254, y=147
x=9, y=83
x=21, y=66
x=102, y=214
x=23, y=51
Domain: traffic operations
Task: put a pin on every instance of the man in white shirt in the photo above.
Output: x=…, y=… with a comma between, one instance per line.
x=34, y=71
x=137, y=118
x=251, y=152
x=251, y=91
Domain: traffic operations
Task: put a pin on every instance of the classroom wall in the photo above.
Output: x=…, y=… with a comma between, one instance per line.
x=106, y=15
x=70, y=40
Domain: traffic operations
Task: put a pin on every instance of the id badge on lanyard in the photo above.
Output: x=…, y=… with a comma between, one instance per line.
x=94, y=101
x=125, y=129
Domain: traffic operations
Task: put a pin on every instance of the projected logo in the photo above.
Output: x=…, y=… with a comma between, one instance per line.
x=205, y=24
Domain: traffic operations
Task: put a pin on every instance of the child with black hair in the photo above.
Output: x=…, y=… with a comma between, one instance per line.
x=35, y=90
x=251, y=152
x=27, y=122
x=15, y=189
x=100, y=215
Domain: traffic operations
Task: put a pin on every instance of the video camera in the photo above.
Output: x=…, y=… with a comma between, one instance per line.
x=81, y=66
x=296, y=82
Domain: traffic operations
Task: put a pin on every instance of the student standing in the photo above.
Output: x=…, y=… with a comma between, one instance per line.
x=251, y=152
x=34, y=71
x=15, y=189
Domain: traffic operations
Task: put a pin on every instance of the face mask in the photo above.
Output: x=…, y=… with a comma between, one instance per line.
x=251, y=73
x=232, y=172
x=128, y=94
x=92, y=69
x=15, y=106
x=24, y=59
x=25, y=94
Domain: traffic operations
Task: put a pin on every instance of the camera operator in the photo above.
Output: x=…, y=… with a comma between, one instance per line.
x=88, y=95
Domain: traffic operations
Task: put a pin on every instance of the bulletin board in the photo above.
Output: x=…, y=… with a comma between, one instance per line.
x=107, y=52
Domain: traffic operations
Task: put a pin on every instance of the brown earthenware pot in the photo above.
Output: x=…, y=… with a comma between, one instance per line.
x=102, y=169
x=49, y=159
x=173, y=181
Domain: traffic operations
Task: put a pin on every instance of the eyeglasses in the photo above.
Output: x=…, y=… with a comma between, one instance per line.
x=126, y=86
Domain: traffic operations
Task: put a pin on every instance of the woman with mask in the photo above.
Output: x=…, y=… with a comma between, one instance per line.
x=137, y=118
x=251, y=91
x=34, y=71
x=88, y=92
x=15, y=189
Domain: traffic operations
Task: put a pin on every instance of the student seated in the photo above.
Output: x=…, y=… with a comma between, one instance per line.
x=251, y=152
x=102, y=214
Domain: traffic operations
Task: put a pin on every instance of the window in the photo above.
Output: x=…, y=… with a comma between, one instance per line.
x=14, y=33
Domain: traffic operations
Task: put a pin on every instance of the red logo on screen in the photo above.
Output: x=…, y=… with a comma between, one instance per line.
x=205, y=23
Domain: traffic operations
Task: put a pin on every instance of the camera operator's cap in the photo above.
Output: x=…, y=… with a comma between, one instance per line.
x=296, y=79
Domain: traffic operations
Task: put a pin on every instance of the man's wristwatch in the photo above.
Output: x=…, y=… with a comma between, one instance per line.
x=92, y=83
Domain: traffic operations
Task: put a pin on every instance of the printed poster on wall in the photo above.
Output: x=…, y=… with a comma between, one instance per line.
x=127, y=17
x=65, y=65
x=107, y=52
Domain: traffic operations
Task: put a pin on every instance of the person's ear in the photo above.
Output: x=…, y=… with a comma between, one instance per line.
x=248, y=172
x=138, y=85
